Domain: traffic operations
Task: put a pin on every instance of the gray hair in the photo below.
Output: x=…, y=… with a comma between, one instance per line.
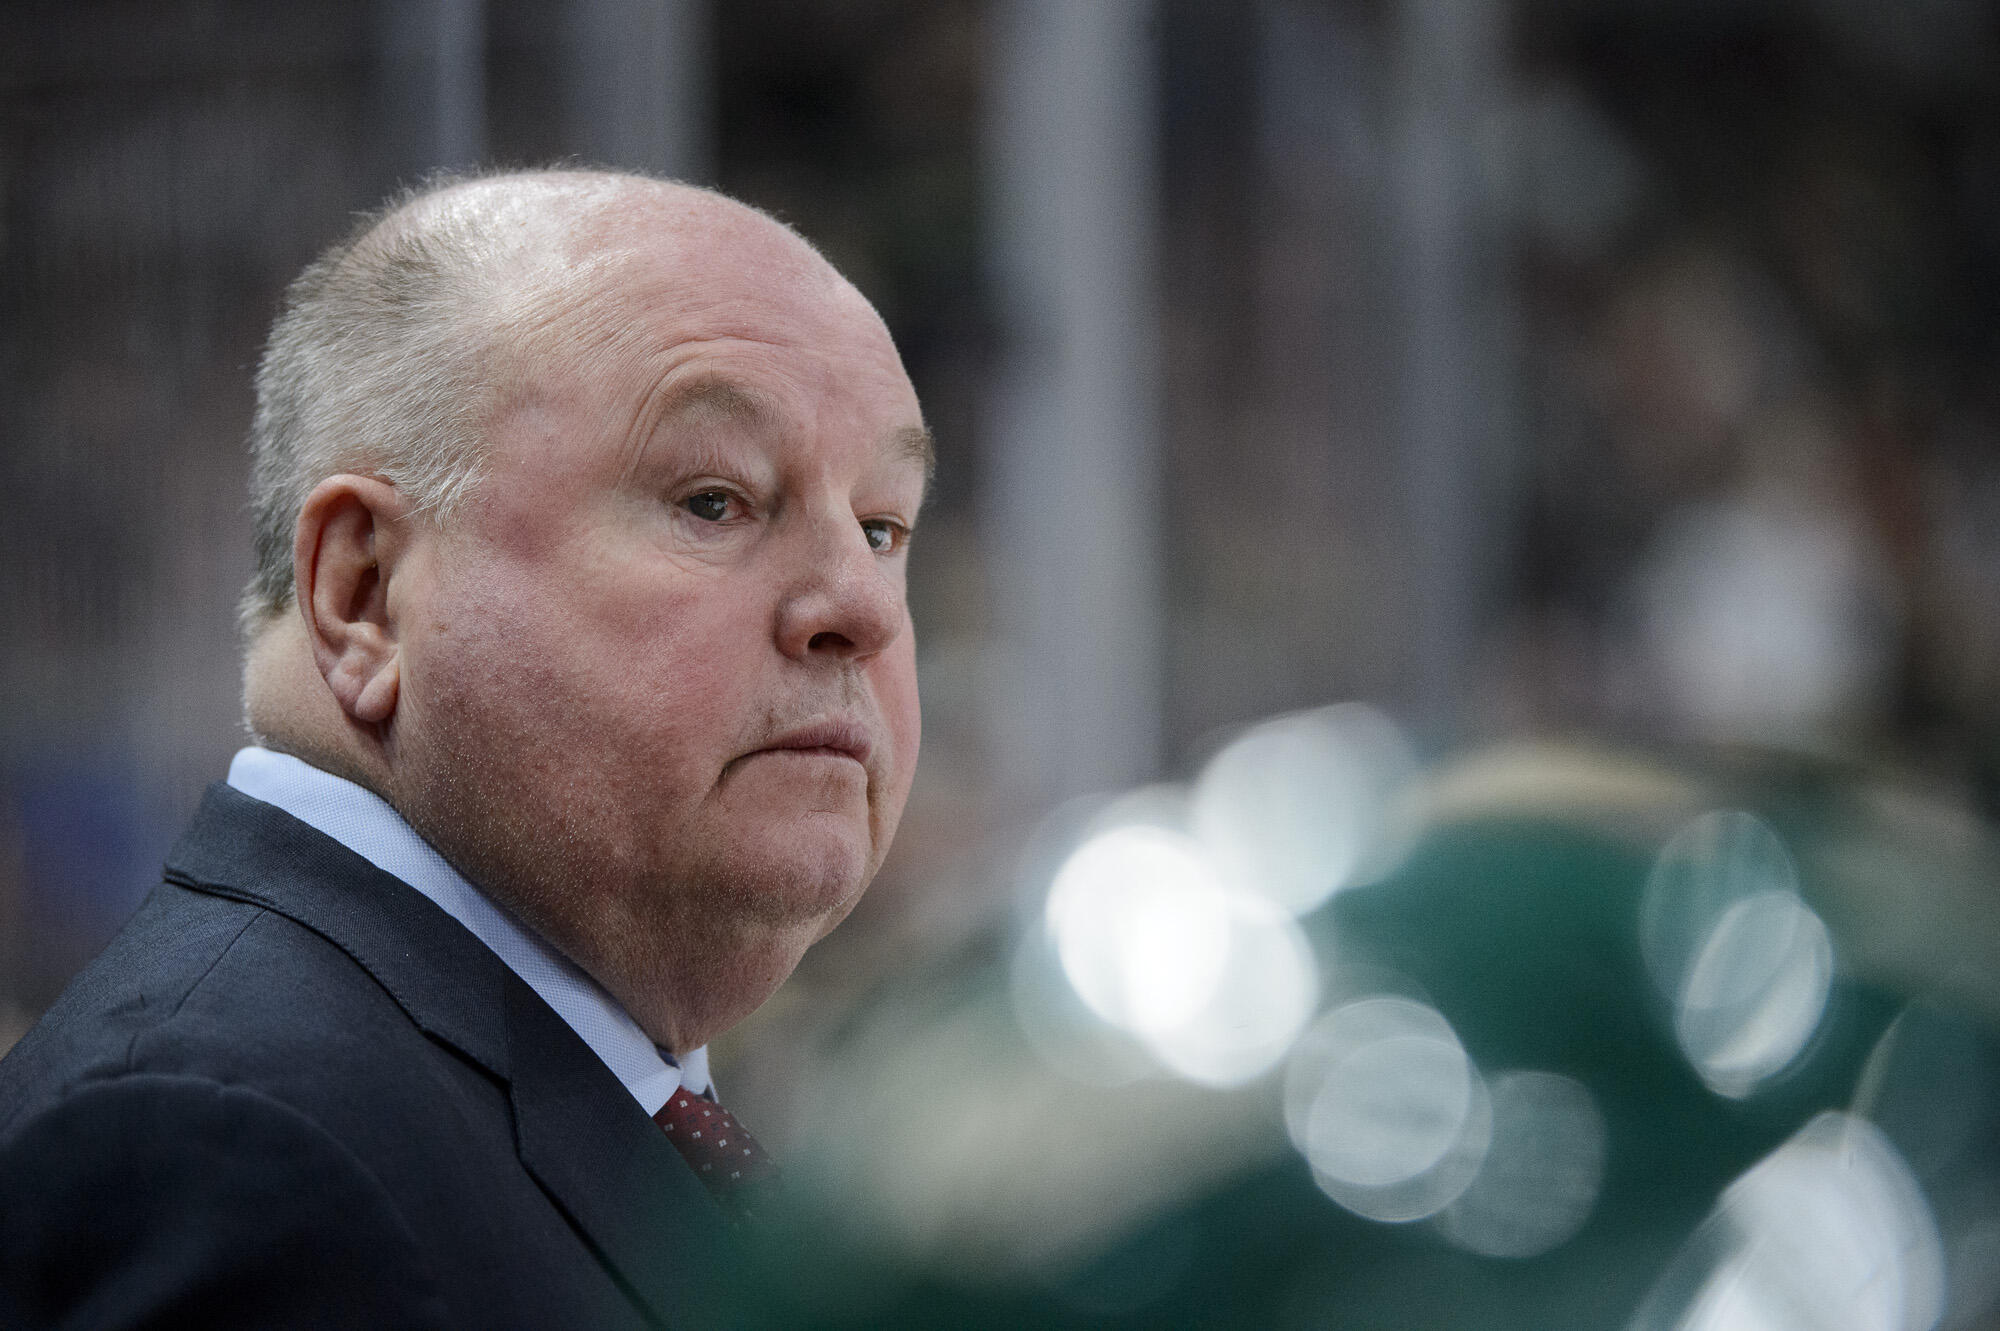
x=373, y=366
x=391, y=351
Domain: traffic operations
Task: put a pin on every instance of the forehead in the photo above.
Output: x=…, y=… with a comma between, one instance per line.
x=670, y=263
x=663, y=272
x=669, y=305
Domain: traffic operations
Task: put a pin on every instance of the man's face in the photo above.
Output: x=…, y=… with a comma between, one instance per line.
x=659, y=687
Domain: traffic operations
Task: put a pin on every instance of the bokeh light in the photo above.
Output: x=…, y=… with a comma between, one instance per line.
x=1387, y=1108
x=1746, y=963
x=1710, y=864
x=1064, y=1033
x=1755, y=994
x=1302, y=805
x=1140, y=924
x=1766, y=616
x=1256, y=1009
x=1542, y=1172
x=1828, y=1233
x=1216, y=985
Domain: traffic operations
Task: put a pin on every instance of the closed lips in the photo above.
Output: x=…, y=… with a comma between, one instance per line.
x=837, y=739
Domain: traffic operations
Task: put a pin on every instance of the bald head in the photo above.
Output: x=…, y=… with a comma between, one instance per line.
x=398, y=347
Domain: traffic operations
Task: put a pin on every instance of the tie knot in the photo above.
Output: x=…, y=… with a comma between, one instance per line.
x=723, y=1156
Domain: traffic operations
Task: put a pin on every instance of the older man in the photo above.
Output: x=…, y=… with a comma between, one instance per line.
x=585, y=701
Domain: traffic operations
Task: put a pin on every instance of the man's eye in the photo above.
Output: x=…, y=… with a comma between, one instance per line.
x=884, y=537
x=709, y=505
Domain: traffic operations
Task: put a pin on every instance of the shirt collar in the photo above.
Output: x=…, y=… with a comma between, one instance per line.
x=365, y=823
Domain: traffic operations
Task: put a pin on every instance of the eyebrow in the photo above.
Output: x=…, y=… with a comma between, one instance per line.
x=721, y=400
x=916, y=444
x=717, y=399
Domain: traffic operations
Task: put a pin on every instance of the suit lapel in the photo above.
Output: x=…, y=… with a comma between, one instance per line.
x=610, y=1167
x=579, y=1133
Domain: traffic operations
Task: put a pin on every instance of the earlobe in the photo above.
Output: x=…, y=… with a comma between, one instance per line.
x=376, y=702
x=345, y=553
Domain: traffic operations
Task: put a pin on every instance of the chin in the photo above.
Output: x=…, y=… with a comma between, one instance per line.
x=822, y=883
x=808, y=875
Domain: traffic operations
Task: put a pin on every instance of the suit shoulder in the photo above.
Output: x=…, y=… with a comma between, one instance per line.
x=217, y=989
x=162, y=952
x=138, y=1199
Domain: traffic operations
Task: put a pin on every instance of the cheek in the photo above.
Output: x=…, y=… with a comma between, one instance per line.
x=652, y=678
x=896, y=691
x=593, y=658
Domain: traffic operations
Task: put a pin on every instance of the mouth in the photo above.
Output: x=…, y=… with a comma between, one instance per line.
x=826, y=739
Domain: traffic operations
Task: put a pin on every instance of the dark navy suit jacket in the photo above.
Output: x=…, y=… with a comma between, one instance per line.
x=294, y=1092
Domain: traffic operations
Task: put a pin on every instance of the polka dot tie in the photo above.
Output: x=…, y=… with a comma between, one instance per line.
x=716, y=1147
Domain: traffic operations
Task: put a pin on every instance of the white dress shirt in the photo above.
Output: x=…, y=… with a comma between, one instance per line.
x=363, y=822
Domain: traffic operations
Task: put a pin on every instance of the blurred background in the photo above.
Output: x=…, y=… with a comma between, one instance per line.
x=1459, y=616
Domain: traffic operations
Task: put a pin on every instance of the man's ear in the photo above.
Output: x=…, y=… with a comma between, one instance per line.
x=350, y=535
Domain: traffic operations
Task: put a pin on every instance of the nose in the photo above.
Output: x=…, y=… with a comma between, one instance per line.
x=845, y=602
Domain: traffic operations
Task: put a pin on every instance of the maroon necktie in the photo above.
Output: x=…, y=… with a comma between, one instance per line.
x=714, y=1144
